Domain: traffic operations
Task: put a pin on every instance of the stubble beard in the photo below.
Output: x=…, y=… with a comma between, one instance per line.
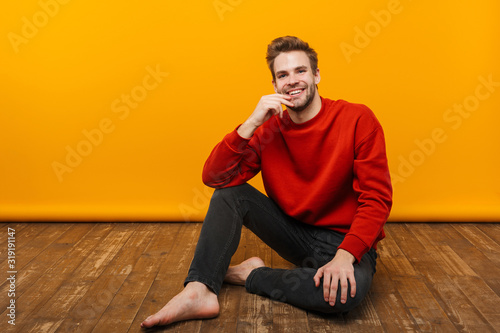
x=310, y=92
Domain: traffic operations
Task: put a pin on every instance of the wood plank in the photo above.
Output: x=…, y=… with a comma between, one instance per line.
x=81, y=251
x=483, y=298
x=394, y=259
x=493, y=232
x=441, y=252
x=85, y=315
x=53, y=312
x=169, y=280
x=229, y=303
x=430, y=277
x=122, y=310
x=487, y=246
x=417, y=254
x=451, y=262
x=36, y=267
x=490, y=229
x=45, y=326
x=364, y=318
x=454, y=303
x=37, y=295
x=382, y=281
x=458, y=307
x=73, y=289
x=393, y=314
x=104, y=252
x=473, y=253
x=27, y=244
x=43, y=239
x=322, y=323
x=18, y=227
x=422, y=305
x=255, y=312
x=181, y=254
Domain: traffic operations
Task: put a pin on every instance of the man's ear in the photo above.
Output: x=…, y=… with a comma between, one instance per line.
x=317, y=77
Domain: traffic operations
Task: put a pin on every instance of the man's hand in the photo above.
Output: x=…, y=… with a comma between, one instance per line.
x=267, y=107
x=339, y=269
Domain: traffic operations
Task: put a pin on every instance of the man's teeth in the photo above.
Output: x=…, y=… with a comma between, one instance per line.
x=295, y=92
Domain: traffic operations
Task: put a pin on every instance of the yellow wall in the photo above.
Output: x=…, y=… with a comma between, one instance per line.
x=142, y=91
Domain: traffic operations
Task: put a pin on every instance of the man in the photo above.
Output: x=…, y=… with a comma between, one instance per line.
x=324, y=167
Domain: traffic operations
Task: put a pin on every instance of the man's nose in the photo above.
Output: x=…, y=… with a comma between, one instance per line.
x=292, y=79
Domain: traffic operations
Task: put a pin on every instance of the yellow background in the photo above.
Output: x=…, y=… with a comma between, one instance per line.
x=65, y=67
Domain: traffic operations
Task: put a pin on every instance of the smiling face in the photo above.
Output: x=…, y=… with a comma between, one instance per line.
x=294, y=77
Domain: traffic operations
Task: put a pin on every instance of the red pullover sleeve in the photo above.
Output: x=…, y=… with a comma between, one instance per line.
x=233, y=161
x=372, y=184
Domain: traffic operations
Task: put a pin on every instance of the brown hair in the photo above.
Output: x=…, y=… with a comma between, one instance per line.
x=288, y=44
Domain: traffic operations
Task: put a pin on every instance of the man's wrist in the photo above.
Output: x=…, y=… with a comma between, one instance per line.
x=346, y=255
x=246, y=129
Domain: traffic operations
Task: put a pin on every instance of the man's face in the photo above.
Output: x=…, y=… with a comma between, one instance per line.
x=294, y=77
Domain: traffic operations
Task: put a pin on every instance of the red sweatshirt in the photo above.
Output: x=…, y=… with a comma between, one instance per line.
x=330, y=171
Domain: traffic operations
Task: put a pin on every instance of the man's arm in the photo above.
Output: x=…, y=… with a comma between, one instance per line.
x=267, y=107
x=372, y=183
x=234, y=160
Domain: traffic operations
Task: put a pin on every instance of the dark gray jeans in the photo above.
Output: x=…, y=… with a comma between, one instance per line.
x=306, y=246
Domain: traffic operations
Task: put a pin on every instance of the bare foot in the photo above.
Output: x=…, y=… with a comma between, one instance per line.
x=238, y=274
x=196, y=301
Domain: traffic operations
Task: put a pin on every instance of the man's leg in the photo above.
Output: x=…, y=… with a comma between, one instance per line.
x=219, y=239
x=310, y=248
x=297, y=286
x=304, y=245
x=230, y=209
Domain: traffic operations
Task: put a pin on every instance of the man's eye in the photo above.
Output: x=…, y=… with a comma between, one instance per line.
x=281, y=76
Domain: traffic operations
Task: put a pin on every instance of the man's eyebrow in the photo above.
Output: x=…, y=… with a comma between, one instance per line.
x=296, y=68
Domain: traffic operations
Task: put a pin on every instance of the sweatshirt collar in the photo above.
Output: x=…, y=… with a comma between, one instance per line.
x=287, y=120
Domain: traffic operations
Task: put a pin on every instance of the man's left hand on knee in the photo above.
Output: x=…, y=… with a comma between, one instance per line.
x=338, y=272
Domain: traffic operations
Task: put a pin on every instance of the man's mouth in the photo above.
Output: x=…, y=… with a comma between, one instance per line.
x=295, y=92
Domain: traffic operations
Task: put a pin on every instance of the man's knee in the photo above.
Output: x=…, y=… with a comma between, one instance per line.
x=232, y=195
x=222, y=195
x=230, y=191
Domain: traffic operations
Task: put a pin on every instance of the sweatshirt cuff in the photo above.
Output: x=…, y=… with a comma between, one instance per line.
x=354, y=246
x=235, y=142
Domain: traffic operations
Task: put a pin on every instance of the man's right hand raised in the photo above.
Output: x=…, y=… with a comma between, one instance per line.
x=267, y=107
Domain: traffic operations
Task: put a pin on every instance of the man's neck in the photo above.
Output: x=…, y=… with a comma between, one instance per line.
x=307, y=114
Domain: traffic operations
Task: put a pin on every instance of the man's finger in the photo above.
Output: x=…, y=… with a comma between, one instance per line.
x=285, y=99
x=343, y=290
x=275, y=108
x=287, y=103
x=317, y=277
x=352, y=281
x=333, y=291
x=326, y=286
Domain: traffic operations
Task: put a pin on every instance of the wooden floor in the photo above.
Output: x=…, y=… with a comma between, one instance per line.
x=108, y=277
